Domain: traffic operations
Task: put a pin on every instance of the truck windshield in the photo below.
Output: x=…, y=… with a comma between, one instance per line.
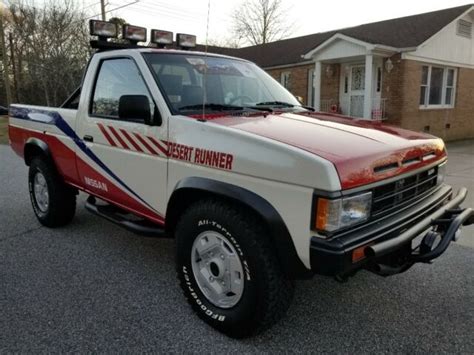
x=189, y=81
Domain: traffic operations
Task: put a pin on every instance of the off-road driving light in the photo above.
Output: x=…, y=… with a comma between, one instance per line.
x=102, y=29
x=441, y=173
x=185, y=41
x=161, y=37
x=134, y=33
x=332, y=215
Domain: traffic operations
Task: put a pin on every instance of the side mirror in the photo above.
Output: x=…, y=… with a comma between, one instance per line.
x=137, y=108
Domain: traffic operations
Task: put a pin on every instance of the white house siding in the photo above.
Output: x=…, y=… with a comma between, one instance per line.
x=341, y=49
x=447, y=47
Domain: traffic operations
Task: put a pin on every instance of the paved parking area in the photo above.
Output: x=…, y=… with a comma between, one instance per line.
x=92, y=286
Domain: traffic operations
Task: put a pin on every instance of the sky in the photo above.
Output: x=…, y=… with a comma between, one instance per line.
x=309, y=16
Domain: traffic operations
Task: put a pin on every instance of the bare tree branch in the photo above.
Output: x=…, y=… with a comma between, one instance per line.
x=261, y=21
x=51, y=48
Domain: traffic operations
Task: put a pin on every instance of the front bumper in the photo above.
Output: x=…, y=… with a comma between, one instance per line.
x=387, y=242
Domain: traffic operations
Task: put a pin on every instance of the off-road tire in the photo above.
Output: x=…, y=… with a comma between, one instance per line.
x=267, y=292
x=62, y=198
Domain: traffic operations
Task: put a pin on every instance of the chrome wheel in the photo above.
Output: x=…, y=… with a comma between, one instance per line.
x=217, y=269
x=40, y=189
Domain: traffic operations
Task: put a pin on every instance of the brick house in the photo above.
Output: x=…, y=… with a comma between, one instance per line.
x=415, y=71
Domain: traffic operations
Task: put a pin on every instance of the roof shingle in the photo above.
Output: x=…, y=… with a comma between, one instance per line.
x=403, y=32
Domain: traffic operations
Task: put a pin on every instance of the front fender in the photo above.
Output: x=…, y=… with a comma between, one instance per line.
x=192, y=188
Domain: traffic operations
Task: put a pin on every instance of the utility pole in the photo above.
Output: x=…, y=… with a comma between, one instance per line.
x=12, y=58
x=102, y=9
x=6, y=74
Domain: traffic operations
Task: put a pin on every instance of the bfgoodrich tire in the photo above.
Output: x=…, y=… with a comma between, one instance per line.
x=54, y=202
x=228, y=269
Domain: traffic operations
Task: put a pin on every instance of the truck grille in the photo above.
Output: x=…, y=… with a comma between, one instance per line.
x=388, y=197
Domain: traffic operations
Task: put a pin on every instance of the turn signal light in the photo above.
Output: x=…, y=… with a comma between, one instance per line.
x=323, y=212
x=358, y=254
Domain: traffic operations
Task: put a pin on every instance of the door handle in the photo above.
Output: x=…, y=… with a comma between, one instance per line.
x=88, y=138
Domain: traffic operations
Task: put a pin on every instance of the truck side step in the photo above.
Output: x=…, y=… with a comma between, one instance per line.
x=125, y=219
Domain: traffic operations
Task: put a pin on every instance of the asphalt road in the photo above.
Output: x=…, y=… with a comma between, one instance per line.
x=92, y=286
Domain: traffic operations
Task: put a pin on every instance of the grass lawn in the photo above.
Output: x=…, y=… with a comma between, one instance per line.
x=3, y=130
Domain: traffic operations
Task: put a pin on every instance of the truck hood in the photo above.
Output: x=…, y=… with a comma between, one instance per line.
x=362, y=151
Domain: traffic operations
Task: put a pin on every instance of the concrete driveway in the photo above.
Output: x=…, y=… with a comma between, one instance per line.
x=93, y=287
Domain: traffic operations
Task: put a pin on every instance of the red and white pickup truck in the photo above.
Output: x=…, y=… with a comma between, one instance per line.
x=256, y=189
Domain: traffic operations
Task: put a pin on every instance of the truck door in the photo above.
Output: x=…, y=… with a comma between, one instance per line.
x=125, y=160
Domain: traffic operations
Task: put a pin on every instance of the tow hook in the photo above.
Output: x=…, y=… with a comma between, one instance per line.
x=428, y=241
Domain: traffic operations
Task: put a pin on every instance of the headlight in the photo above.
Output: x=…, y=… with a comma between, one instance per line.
x=441, y=173
x=332, y=215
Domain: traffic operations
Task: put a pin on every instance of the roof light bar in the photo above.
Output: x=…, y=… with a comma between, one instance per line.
x=185, y=40
x=161, y=38
x=102, y=29
x=134, y=33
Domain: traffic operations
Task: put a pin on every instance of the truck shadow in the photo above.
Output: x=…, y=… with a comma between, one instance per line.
x=92, y=286
x=367, y=313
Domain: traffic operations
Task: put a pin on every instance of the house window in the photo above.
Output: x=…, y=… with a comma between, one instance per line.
x=379, y=79
x=464, y=28
x=358, y=78
x=285, y=79
x=437, y=86
x=311, y=87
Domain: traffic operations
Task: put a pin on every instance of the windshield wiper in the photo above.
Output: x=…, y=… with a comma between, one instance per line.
x=275, y=103
x=211, y=106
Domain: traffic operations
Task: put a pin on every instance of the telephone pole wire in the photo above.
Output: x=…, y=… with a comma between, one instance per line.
x=102, y=9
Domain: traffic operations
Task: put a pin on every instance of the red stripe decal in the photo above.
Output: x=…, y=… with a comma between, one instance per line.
x=159, y=146
x=106, y=135
x=147, y=146
x=119, y=138
x=66, y=160
x=131, y=140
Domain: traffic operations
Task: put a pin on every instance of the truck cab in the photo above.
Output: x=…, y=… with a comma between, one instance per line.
x=256, y=189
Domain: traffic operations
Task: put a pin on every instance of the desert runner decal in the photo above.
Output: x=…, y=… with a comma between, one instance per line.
x=153, y=146
x=200, y=156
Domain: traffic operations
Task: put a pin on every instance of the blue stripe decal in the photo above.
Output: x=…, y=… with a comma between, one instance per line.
x=54, y=118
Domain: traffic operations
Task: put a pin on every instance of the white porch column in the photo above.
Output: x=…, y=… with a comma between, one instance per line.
x=317, y=86
x=369, y=64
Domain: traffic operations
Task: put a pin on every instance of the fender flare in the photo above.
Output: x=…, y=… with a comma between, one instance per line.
x=36, y=143
x=279, y=233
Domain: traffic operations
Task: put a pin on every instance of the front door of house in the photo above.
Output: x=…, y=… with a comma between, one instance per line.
x=356, y=90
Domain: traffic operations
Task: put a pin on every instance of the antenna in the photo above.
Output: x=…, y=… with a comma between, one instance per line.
x=204, y=78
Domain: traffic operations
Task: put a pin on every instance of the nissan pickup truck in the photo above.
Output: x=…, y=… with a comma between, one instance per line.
x=256, y=189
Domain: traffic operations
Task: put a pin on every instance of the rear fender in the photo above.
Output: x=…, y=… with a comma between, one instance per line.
x=34, y=147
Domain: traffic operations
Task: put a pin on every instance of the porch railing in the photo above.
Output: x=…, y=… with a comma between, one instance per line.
x=354, y=107
x=378, y=109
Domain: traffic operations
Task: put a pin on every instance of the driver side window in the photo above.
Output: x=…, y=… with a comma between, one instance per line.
x=117, y=77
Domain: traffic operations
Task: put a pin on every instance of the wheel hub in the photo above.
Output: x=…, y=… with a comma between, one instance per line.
x=217, y=269
x=40, y=190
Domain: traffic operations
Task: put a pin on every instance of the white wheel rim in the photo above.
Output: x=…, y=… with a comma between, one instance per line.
x=40, y=190
x=217, y=269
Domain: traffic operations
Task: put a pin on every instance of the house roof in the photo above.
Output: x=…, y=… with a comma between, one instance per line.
x=403, y=32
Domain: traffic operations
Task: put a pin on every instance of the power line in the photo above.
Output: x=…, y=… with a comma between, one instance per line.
x=117, y=8
x=174, y=12
x=90, y=5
